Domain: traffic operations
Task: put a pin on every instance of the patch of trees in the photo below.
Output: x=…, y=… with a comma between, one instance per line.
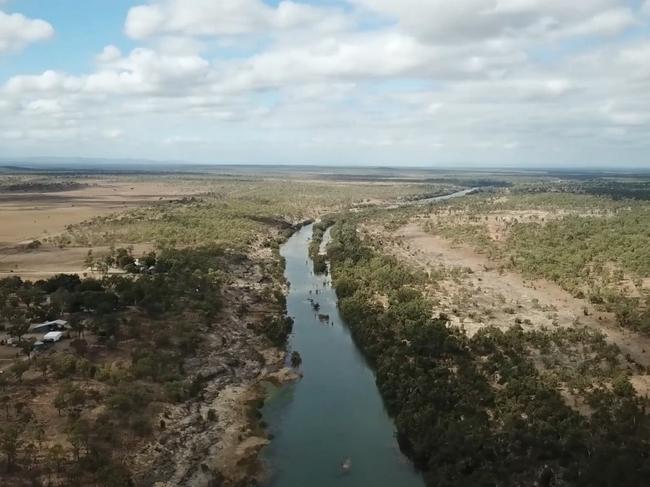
x=277, y=329
x=318, y=233
x=591, y=257
x=159, y=319
x=41, y=186
x=478, y=411
x=597, y=250
x=616, y=189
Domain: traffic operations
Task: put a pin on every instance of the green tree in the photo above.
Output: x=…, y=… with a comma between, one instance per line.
x=19, y=368
x=10, y=442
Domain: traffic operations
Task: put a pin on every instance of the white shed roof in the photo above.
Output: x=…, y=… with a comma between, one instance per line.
x=49, y=323
x=53, y=336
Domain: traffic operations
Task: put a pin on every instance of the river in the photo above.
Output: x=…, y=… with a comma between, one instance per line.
x=334, y=413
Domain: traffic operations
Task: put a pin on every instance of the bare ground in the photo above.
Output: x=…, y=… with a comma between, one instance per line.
x=49, y=260
x=28, y=216
x=478, y=294
x=25, y=217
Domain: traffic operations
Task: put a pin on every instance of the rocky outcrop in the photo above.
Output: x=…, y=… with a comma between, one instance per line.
x=215, y=439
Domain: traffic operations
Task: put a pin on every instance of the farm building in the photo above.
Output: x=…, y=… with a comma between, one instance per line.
x=48, y=326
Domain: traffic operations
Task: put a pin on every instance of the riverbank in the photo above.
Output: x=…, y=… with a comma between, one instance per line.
x=217, y=436
x=501, y=406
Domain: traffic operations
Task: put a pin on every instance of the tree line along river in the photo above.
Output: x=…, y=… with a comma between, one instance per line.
x=330, y=428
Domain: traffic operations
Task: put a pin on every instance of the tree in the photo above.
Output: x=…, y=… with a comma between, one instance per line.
x=19, y=368
x=79, y=437
x=149, y=259
x=5, y=400
x=60, y=402
x=77, y=325
x=10, y=442
x=27, y=347
x=19, y=328
x=43, y=364
x=55, y=456
x=29, y=454
x=89, y=261
x=70, y=397
x=124, y=258
x=31, y=296
x=102, y=267
x=296, y=359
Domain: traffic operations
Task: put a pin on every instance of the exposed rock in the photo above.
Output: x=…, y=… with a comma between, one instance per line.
x=215, y=439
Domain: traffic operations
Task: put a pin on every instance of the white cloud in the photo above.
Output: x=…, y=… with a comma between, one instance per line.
x=364, y=56
x=50, y=81
x=422, y=81
x=17, y=31
x=142, y=71
x=109, y=54
x=607, y=23
x=226, y=18
x=626, y=116
x=469, y=20
x=146, y=71
x=48, y=107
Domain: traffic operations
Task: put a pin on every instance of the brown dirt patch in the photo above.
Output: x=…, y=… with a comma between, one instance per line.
x=501, y=297
x=50, y=260
x=28, y=216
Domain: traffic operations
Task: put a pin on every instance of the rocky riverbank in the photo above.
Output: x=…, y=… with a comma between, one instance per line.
x=216, y=438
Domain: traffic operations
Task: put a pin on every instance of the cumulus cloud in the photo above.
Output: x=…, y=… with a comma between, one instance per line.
x=146, y=71
x=109, y=54
x=17, y=31
x=470, y=20
x=226, y=18
x=378, y=81
x=50, y=81
x=607, y=23
x=143, y=71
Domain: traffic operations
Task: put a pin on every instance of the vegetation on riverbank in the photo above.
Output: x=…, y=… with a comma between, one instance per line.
x=593, y=246
x=156, y=334
x=318, y=233
x=126, y=361
x=479, y=410
x=200, y=311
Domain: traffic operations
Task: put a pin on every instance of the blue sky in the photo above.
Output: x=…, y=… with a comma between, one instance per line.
x=82, y=30
x=415, y=82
